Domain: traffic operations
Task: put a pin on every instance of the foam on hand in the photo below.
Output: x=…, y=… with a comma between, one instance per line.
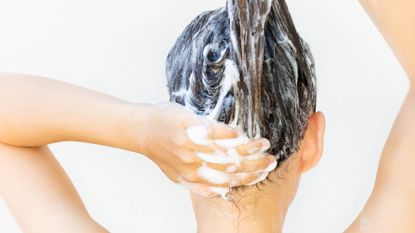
x=218, y=158
x=225, y=153
x=212, y=175
x=222, y=192
x=231, y=143
x=199, y=135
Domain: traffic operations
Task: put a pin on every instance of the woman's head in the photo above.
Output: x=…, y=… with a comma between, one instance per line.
x=245, y=65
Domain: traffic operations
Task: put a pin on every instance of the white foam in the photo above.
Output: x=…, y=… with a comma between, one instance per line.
x=199, y=135
x=261, y=177
x=231, y=168
x=272, y=166
x=216, y=158
x=230, y=79
x=196, y=188
x=234, y=142
x=255, y=156
x=223, y=192
x=242, y=175
x=213, y=176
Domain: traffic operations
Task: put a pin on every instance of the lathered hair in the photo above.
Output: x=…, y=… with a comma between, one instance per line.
x=245, y=65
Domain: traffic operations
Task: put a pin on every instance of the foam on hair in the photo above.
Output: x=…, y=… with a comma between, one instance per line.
x=245, y=65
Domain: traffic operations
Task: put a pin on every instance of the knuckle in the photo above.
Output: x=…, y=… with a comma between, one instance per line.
x=188, y=158
x=180, y=141
x=190, y=175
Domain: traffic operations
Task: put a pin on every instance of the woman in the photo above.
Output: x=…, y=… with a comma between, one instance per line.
x=262, y=208
x=35, y=187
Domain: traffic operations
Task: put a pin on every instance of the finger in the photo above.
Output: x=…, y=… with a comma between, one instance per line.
x=177, y=159
x=214, y=135
x=253, y=179
x=266, y=163
x=253, y=147
x=262, y=163
x=231, y=156
x=244, y=178
x=199, y=148
x=211, y=177
x=228, y=168
x=222, y=131
x=196, y=139
x=173, y=165
x=196, y=188
x=230, y=164
x=207, y=176
x=206, y=191
x=237, y=180
x=188, y=158
x=170, y=172
x=234, y=180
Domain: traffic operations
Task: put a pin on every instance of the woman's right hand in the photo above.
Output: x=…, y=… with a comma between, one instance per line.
x=165, y=140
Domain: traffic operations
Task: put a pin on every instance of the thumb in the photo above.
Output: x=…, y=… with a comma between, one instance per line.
x=221, y=131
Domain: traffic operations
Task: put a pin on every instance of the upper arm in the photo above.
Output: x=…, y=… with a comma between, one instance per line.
x=396, y=20
x=39, y=194
x=391, y=207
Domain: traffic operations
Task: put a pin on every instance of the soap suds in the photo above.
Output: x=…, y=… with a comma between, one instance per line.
x=199, y=135
x=217, y=158
x=246, y=66
x=261, y=177
x=212, y=175
x=222, y=192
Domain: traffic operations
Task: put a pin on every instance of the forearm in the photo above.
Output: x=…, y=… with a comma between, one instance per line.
x=37, y=111
x=396, y=20
x=39, y=194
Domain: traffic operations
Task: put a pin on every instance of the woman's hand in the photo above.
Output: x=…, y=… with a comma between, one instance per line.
x=165, y=140
x=49, y=111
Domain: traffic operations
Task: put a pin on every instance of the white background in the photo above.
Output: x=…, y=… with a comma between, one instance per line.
x=119, y=47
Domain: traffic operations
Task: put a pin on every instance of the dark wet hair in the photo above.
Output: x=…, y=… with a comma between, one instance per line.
x=246, y=65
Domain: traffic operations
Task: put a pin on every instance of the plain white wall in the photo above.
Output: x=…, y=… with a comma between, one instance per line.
x=119, y=47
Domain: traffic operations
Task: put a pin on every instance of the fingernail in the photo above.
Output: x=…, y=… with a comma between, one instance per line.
x=261, y=146
x=223, y=192
x=261, y=177
x=272, y=165
x=265, y=145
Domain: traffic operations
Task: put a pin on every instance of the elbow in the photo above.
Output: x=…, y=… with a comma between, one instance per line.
x=18, y=141
x=412, y=87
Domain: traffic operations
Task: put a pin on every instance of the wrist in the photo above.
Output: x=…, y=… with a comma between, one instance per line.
x=136, y=126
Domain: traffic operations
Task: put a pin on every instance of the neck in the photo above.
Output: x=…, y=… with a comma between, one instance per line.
x=253, y=211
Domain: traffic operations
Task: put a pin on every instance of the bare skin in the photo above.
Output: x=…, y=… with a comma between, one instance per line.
x=390, y=208
x=391, y=205
x=45, y=111
x=262, y=209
